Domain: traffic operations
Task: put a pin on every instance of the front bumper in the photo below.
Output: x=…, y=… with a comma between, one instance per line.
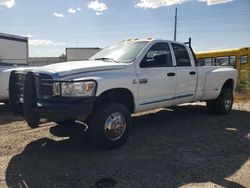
x=32, y=99
x=60, y=109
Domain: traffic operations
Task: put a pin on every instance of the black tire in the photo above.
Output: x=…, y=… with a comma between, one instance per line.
x=223, y=104
x=29, y=101
x=6, y=103
x=32, y=120
x=107, y=112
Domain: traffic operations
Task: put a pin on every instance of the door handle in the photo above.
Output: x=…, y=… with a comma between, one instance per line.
x=143, y=81
x=171, y=74
x=192, y=73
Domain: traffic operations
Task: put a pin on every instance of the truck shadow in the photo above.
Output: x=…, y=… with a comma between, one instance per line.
x=6, y=115
x=169, y=148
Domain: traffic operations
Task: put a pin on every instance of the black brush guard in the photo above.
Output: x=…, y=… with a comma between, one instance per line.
x=27, y=98
x=23, y=97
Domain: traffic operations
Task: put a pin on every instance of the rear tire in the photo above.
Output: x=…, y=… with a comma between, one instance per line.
x=109, y=125
x=223, y=104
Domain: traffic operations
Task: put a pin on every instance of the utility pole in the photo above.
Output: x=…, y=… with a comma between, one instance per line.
x=175, y=24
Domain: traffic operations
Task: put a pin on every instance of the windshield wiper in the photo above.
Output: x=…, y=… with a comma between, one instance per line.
x=106, y=59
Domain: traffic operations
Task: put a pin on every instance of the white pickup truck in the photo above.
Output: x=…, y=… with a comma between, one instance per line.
x=128, y=77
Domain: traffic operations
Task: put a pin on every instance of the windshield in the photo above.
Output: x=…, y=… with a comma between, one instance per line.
x=124, y=52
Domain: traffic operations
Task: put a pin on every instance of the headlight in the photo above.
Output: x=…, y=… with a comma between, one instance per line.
x=74, y=89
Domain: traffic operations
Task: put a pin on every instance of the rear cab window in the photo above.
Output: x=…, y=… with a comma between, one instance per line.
x=181, y=55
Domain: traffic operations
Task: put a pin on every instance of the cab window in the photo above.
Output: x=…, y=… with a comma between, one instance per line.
x=159, y=55
x=181, y=55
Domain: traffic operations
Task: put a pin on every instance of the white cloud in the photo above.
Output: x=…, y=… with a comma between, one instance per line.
x=215, y=2
x=157, y=3
x=71, y=10
x=98, y=13
x=8, y=3
x=29, y=36
x=58, y=15
x=161, y=3
x=42, y=42
x=98, y=7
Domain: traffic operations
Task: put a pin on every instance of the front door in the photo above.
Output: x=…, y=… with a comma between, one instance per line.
x=156, y=78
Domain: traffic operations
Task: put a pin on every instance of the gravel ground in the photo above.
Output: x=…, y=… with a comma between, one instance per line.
x=179, y=147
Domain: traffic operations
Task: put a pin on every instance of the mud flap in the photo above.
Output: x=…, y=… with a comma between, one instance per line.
x=30, y=101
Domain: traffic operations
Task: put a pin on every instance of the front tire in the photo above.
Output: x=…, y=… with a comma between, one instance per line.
x=109, y=125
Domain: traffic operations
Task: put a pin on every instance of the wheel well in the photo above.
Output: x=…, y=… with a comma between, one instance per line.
x=229, y=84
x=120, y=95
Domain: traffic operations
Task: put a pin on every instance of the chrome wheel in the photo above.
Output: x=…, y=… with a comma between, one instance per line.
x=228, y=102
x=115, y=126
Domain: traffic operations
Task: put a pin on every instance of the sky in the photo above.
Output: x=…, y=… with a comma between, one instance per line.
x=53, y=25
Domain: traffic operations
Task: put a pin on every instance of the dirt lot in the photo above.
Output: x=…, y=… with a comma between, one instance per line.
x=179, y=147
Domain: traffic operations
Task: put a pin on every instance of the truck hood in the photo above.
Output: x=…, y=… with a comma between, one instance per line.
x=77, y=67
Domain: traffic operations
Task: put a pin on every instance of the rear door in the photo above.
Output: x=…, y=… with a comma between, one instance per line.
x=186, y=74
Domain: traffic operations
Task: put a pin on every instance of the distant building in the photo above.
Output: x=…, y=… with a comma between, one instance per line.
x=78, y=54
x=14, y=50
